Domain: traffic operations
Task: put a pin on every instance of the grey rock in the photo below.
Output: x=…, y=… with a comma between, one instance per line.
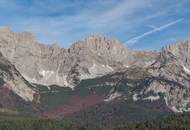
x=49, y=64
x=13, y=80
x=145, y=75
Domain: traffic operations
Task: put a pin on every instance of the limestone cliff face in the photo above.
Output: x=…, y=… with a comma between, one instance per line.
x=12, y=80
x=49, y=64
x=180, y=51
x=168, y=78
x=163, y=75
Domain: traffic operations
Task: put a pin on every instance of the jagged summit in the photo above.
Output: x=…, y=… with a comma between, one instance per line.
x=5, y=29
x=92, y=57
x=97, y=42
x=180, y=50
x=153, y=76
x=50, y=64
x=185, y=44
x=27, y=35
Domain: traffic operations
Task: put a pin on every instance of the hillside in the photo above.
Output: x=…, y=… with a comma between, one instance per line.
x=96, y=79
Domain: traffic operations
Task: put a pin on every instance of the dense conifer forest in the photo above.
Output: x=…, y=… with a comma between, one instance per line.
x=173, y=122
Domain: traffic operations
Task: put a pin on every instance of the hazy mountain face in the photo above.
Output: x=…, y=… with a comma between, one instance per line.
x=99, y=71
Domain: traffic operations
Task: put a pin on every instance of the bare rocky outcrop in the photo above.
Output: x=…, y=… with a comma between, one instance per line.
x=12, y=80
x=49, y=64
x=146, y=75
x=168, y=78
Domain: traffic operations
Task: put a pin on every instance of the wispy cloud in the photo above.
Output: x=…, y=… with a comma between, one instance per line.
x=66, y=21
x=154, y=30
x=101, y=18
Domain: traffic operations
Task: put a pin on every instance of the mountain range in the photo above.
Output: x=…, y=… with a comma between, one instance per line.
x=97, y=75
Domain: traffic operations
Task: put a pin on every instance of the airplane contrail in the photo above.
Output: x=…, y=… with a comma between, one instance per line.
x=155, y=29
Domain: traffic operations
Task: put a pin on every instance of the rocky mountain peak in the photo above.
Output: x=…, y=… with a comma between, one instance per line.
x=12, y=39
x=98, y=42
x=26, y=36
x=96, y=37
x=49, y=64
x=179, y=46
x=179, y=51
x=147, y=74
x=6, y=33
x=5, y=30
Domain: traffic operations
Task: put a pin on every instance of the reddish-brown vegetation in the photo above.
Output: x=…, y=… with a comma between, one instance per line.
x=75, y=104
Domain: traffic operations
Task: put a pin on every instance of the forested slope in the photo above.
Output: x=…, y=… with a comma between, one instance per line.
x=173, y=122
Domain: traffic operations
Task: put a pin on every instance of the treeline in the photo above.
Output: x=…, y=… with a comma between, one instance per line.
x=35, y=123
x=173, y=122
x=25, y=123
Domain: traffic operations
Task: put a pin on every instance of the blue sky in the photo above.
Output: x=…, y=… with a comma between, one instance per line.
x=139, y=24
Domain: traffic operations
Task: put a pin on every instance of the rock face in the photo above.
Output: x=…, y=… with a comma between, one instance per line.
x=168, y=79
x=11, y=79
x=49, y=64
x=135, y=75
